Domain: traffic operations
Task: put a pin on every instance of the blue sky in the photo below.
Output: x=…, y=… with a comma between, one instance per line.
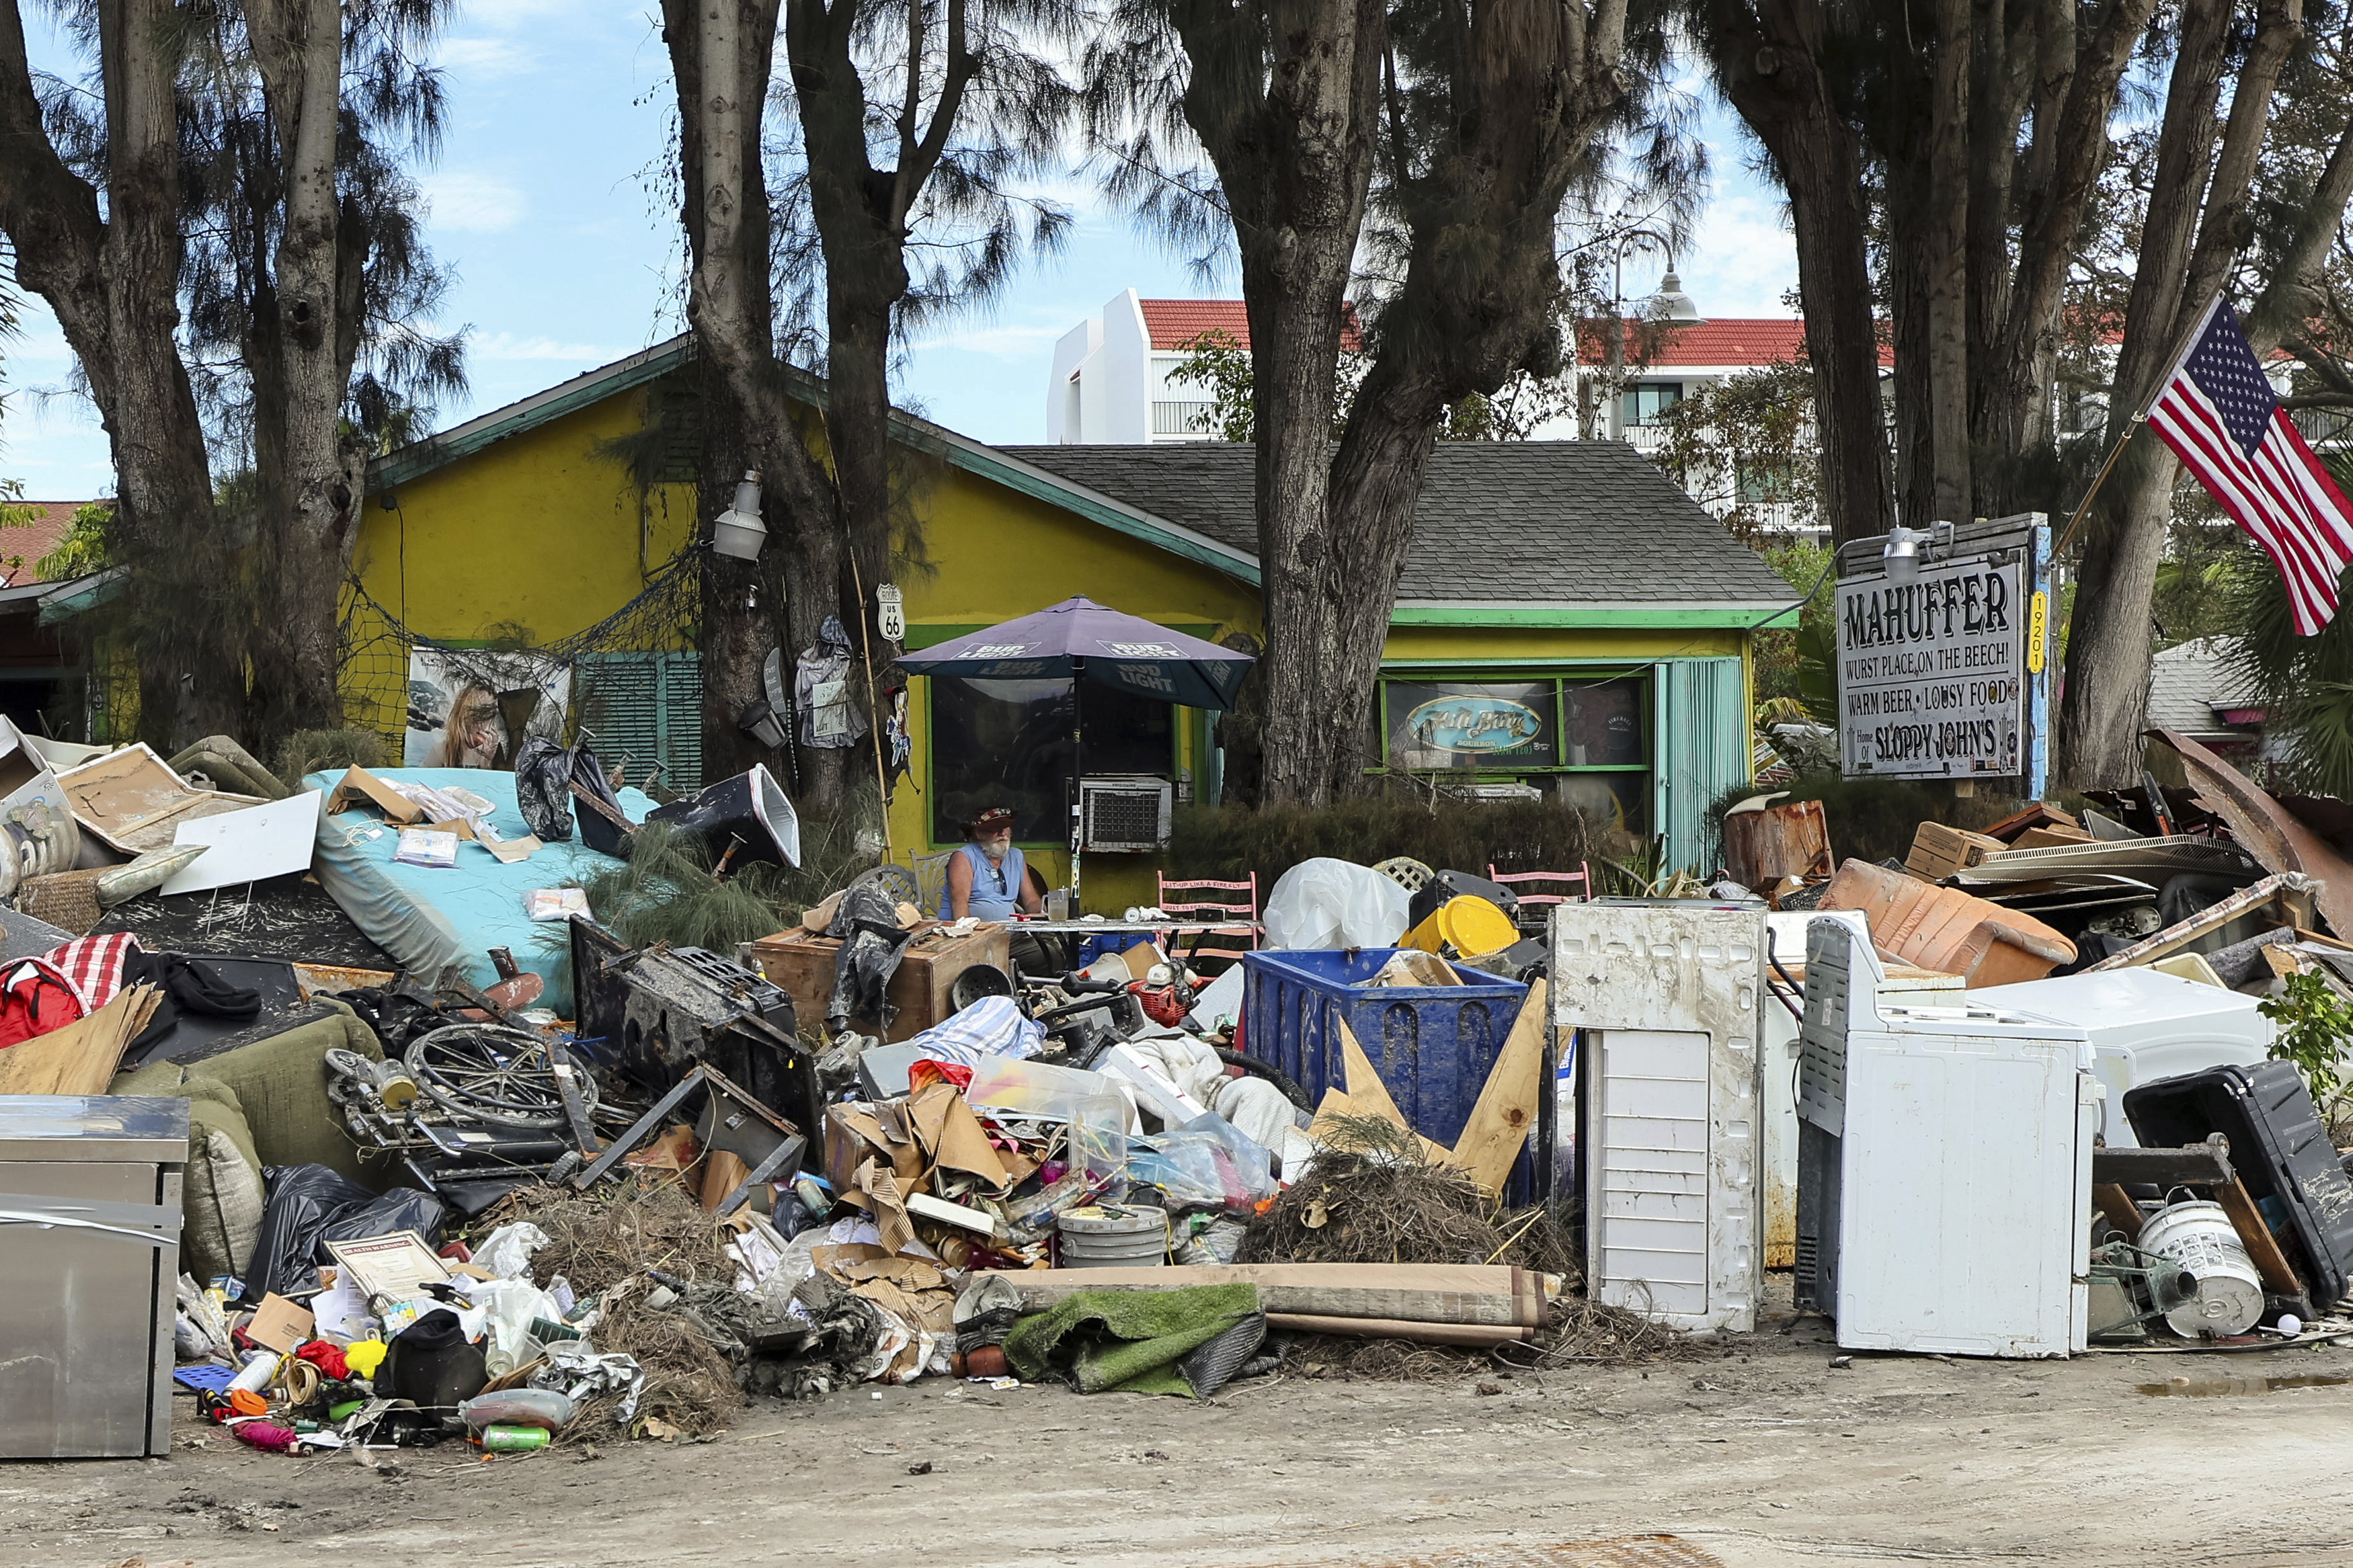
x=541, y=205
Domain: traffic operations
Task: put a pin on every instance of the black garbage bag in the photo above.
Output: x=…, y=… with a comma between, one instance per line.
x=309, y=1206
x=605, y=835
x=543, y=789
x=431, y=1365
x=872, y=944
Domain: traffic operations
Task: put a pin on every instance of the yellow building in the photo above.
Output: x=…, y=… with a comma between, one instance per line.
x=1569, y=620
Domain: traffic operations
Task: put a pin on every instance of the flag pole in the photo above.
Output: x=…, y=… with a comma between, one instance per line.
x=2084, y=506
x=2172, y=369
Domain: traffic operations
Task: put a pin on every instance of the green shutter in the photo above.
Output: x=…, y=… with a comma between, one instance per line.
x=644, y=706
x=1702, y=753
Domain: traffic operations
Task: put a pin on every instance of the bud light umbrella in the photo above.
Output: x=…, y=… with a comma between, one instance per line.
x=1081, y=641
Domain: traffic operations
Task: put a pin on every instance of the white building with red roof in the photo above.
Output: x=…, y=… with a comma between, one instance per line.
x=1113, y=380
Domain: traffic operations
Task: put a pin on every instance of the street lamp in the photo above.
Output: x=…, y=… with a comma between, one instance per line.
x=1615, y=358
x=738, y=531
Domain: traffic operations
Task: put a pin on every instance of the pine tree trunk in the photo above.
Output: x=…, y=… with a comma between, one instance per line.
x=310, y=520
x=1769, y=61
x=2189, y=236
x=113, y=286
x=1295, y=162
x=1945, y=230
x=720, y=52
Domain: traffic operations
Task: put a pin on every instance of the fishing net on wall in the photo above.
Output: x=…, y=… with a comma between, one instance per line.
x=631, y=685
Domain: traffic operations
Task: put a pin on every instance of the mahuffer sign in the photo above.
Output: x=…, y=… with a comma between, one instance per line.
x=1932, y=673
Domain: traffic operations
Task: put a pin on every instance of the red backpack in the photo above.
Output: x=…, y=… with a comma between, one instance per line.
x=35, y=998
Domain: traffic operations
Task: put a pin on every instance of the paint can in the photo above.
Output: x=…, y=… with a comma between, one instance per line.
x=2199, y=1237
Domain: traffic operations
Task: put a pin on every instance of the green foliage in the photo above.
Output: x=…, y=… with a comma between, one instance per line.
x=1217, y=362
x=1445, y=834
x=1874, y=819
x=665, y=891
x=1745, y=446
x=82, y=550
x=1800, y=662
x=308, y=752
x=1219, y=365
x=2314, y=1022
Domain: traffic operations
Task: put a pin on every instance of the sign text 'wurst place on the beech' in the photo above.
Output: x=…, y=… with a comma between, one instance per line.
x=1931, y=671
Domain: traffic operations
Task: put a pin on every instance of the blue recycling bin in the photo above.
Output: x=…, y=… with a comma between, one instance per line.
x=1434, y=1045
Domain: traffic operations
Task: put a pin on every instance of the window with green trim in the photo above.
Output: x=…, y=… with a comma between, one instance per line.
x=1585, y=739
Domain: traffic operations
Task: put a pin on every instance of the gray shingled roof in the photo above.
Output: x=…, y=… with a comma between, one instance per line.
x=1579, y=523
x=2188, y=682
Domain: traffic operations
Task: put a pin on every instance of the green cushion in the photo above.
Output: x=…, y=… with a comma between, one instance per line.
x=281, y=1082
x=221, y=1193
x=280, y=1085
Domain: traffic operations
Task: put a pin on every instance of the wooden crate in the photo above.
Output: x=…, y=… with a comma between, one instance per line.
x=801, y=963
x=1939, y=851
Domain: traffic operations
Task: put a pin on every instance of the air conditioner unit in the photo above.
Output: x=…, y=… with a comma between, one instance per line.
x=1123, y=812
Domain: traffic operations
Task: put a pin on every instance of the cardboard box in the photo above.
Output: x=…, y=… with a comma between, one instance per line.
x=279, y=1324
x=801, y=963
x=1939, y=851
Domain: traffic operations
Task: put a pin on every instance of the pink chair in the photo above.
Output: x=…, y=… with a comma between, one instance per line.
x=1581, y=879
x=1212, y=908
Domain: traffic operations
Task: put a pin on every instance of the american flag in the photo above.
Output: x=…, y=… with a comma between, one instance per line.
x=2218, y=412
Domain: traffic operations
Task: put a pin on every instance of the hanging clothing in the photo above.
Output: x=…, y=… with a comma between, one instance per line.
x=822, y=695
x=996, y=885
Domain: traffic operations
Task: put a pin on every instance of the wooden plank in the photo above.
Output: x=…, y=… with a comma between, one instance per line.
x=2111, y=1201
x=1365, y=1089
x=2256, y=1237
x=1505, y=1113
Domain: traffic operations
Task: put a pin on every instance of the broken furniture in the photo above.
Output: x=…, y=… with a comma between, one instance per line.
x=2200, y=1166
x=429, y=918
x=1946, y=929
x=2282, y=1156
x=921, y=993
x=1945, y=1167
x=1665, y=1001
x=658, y=1012
x=732, y=1122
x=91, y=1218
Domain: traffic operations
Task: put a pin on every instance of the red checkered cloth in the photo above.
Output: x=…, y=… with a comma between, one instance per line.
x=92, y=965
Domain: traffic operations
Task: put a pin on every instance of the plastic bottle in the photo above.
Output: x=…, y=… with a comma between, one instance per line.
x=540, y=1408
x=505, y=1440
x=259, y=1368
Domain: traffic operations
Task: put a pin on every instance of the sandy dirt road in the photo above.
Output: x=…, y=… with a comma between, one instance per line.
x=1764, y=1456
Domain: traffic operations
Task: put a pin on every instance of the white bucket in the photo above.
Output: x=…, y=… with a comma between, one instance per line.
x=2199, y=1237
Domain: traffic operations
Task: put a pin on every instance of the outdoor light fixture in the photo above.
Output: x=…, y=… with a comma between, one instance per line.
x=1906, y=548
x=738, y=531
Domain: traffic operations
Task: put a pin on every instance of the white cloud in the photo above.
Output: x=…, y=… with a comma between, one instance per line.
x=480, y=59
x=507, y=345
x=1000, y=340
x=1743, y=259
x=479, y=204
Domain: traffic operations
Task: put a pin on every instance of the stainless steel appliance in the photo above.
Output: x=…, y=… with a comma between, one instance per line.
x=89, y=1251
